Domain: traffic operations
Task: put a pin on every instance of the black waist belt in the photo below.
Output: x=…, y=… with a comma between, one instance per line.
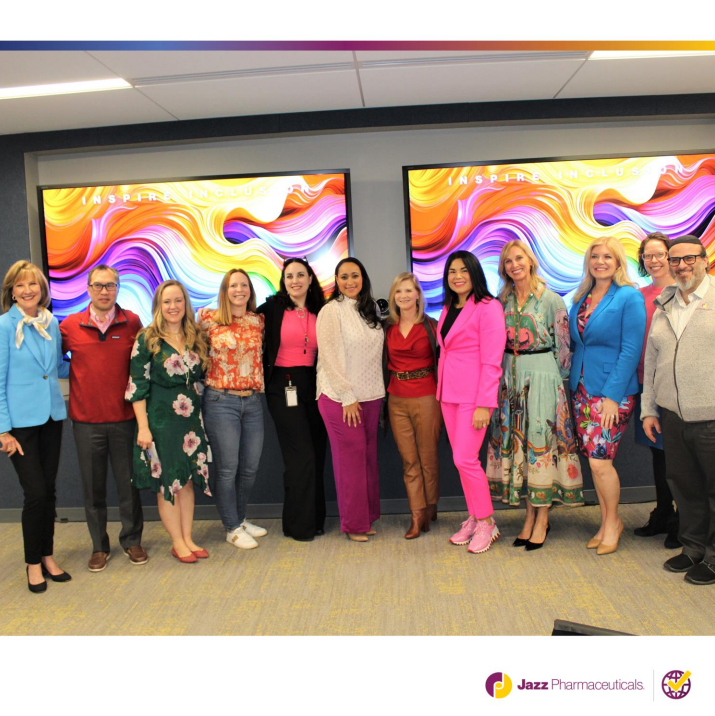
x=512, y=352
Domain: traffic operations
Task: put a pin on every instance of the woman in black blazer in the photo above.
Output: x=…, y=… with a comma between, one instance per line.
x=289, y=358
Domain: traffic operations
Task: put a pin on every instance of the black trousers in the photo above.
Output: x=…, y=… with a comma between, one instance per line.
x=37, y=470
x=663, y=496
x=303, y=440
x=96, y=444
x=690, y=465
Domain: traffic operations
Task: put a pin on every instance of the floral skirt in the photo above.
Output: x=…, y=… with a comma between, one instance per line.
x=595, y=442
x=532, y=451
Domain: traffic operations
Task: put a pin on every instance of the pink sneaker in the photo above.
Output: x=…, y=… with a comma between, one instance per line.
x=466, y=531
x=484, y=536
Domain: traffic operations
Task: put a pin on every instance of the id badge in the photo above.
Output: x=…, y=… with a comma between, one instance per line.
x=291, y=396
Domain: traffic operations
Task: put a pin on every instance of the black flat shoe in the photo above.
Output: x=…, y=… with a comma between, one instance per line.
x=320, y=532
x=519, y=542
x=35, y=588
x=657, y=524
x=64, y=577
x=531, y=546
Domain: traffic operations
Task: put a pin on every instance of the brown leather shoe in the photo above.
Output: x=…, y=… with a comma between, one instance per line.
x=98, y=561
x=137, y=554
x=431, y=513
x=418, y=522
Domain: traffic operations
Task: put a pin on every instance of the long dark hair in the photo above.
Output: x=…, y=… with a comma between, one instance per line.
x=314, y=300
x=479, y=291
x=365, y=302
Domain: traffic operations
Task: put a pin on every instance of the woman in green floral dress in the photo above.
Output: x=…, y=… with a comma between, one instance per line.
x=171, y=450
x=532, y=452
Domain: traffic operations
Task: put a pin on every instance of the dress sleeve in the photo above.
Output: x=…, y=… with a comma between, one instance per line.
x=331, y=353
x=139, y=385
x=492, y=340
x=560, y=335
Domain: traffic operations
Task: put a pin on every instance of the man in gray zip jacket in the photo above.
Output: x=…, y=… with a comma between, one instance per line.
x=680, y=378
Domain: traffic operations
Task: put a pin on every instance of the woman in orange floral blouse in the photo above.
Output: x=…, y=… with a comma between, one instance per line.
x=232, y=406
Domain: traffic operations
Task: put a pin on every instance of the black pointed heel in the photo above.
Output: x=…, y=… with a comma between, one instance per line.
x=64, y=577
x=531, y=546
x=519, y=542
x=35, y=588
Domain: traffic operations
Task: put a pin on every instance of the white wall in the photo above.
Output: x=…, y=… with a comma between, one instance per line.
x=375, y=160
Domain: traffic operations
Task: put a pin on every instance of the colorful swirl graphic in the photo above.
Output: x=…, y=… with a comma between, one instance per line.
x=193, y=231
x=557, y=208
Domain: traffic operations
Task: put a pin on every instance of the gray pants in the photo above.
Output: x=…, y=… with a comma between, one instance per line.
x=690, y=471
x=95, y=443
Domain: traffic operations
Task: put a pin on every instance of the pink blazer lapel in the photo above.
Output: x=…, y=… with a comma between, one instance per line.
x=463, y=319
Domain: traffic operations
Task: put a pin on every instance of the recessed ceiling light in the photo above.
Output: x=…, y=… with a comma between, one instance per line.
x=639, y=54
x=63, y=88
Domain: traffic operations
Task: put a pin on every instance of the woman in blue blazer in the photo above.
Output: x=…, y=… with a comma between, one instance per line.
x=32, y=410
x=607, y=323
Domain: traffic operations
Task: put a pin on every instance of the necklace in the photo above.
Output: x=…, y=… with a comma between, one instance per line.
x=301, y=313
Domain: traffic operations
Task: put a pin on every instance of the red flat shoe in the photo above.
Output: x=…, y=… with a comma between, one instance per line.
x=200, y=553
x=186, y=560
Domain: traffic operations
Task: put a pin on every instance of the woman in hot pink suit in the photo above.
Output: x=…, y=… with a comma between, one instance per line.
x=471, y=335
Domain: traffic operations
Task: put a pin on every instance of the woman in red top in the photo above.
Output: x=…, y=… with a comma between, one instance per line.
x=415, y=417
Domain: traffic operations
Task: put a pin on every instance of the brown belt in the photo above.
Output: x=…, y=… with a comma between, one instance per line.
x=239, y=393
x=412, y=374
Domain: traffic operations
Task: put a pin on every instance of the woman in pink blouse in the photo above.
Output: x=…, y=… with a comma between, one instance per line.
x=472, y=336
x=232, y=405
x=289, y=356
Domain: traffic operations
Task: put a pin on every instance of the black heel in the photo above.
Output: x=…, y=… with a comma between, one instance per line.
x=35, y=588
x=531, y=546
x=519, y=542
x=64, y=577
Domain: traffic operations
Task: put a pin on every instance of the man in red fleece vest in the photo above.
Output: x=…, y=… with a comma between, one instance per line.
x=101, y=339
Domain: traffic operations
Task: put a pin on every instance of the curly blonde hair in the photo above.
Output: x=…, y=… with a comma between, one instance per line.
x=156, y=330
x=14, y=274
x=506, y=285
x=620, y=277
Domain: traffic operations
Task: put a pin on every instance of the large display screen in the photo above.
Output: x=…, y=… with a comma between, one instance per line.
x=193, y=231
x=557, y=207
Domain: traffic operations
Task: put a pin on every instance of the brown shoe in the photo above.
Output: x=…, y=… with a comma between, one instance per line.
x=418, y=522
x=98, y=561
x=431, y=513
x=137, y=554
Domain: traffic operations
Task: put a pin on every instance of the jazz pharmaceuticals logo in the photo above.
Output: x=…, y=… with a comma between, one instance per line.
x=676, y=684
x=498, y=685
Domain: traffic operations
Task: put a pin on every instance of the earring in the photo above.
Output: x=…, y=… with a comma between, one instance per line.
x=14, y=298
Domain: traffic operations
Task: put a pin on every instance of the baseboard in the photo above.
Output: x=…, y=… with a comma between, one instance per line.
x=272, y=511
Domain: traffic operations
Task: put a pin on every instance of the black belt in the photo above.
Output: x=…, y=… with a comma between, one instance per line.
x=512, y=352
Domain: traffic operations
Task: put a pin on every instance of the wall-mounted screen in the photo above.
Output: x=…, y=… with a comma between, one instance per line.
x=193, y=231
x=557, y=207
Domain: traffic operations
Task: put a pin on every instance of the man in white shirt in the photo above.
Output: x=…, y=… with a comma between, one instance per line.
x=679, y=377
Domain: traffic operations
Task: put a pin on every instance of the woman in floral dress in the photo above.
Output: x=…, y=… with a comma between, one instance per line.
x=169, y=356
x=532, y=452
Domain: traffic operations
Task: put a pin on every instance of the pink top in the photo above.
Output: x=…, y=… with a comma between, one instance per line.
x=299, y=344
x=650, y=293
x=108, y=319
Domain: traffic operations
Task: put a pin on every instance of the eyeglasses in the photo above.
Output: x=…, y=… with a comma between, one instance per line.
x=655, y=257
x=689, y=260
x=100, y=286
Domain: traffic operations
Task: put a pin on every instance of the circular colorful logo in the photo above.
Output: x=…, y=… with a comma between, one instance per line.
x=676, y=684
x=498, y=685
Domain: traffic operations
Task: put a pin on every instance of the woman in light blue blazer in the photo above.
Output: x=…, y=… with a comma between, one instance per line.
x=607, y=324
x=32, y=410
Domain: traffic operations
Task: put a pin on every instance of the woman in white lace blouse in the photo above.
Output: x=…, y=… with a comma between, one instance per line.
x=350, y=390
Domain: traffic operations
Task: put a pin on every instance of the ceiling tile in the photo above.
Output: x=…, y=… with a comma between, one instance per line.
x=90, y=109
x=164, y=64
x=18, y=69
x=465, y=82
x=296, y=92
x=647, y=76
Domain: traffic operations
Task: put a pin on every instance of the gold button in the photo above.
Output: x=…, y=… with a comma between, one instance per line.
x=45, y=377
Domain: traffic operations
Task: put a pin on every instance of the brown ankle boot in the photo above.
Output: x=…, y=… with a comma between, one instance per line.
x=431, y=513
x=418, y=519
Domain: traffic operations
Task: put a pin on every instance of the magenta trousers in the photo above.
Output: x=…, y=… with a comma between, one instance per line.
x=354, y=449
x=466, y=443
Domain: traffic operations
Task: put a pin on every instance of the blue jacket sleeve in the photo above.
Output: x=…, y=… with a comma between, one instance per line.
x=63, y=367
x=633, y=318
x=5, y=424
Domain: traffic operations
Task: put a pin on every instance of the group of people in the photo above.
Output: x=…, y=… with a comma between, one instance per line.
x=185, y=391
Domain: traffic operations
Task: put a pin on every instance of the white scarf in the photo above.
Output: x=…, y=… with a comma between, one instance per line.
x=40, y=323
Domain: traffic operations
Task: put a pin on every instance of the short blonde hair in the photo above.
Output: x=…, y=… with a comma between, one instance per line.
x=14, y=274
x=222, y=315
x=394, y=315
x=506, y=286
x=620, y=278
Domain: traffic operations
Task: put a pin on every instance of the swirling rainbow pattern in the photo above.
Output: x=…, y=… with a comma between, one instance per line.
x=193, y=231
x=558, y=208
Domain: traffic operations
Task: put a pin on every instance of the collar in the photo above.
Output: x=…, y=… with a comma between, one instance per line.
x=109, y=318
x=119, y=316
x=698, y=293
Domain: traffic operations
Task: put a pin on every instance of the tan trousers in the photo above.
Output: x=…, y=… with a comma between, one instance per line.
x=416, y=424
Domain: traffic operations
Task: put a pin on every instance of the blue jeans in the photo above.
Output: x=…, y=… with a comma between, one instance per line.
x=234, y=427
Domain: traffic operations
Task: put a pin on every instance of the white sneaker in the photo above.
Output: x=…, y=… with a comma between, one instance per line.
x=254, y=530
x=241, y=539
